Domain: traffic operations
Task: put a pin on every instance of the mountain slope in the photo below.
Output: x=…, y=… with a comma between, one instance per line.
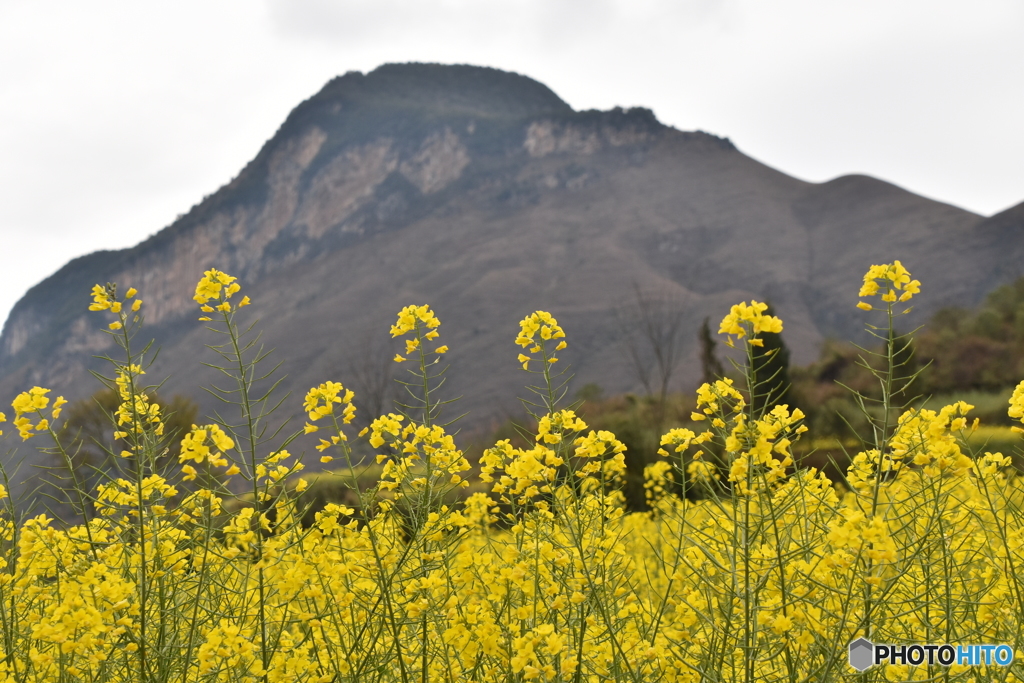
x=483, y=194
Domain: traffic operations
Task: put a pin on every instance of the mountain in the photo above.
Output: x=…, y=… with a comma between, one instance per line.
x=483, y=194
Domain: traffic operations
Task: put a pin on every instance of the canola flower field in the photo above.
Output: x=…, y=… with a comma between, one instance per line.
x=767, y=575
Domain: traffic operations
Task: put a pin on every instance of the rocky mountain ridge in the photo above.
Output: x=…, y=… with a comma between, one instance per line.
x=485, y=195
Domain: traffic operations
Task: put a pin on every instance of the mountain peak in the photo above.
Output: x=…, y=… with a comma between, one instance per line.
x=474, y=90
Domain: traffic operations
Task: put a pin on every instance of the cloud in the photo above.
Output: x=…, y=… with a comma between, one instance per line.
x=550, y=25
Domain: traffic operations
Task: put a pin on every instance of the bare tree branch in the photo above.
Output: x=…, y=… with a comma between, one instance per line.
x=651, y=326
x=370, y=370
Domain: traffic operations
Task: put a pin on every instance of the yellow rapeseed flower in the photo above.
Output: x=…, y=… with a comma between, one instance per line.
x=32, y=402
x=216, y=286
x=535, y=330
x=1016, y=410
x=420, y=321
x=319, y=402
x=101, y=300
x=888, y=278
x=743, y=320
x=410, y=316
x=196, y=445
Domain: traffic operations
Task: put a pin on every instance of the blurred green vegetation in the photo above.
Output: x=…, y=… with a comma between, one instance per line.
x=93, y=454
x=975, y=356
x=980, y=350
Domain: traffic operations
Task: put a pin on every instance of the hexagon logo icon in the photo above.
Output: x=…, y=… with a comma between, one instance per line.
x=862, y=654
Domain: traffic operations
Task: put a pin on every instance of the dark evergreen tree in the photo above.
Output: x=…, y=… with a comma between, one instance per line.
x=710, y=367
x=771, y=372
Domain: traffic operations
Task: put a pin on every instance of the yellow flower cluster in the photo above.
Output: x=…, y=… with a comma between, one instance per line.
x=551, y=428
x=929, y=440
x=197, y=506
x=102, y=299
x=749, y=320
x=855, y=535
x=272, y=475
x=428, y=459
x=1017, y=405
x=216, y=286
x=679, y=440
x=205, y=444
x=320, y=402
x=33, y=402
x=527, y=473
x=239, y=530
x=657, y=483
x=701, y=471
x=97, y=605
x=605, y=454
x=760, y=449
x=535, y=330
x=889, y=279
x=416, y=319
x=718, y=401
x=926, y=442
x=521, y=475
x=121, y=493
x=385, y=428
x=598, y=445
x=136, y=412
x=228, y=652
x=105, y=299
x=411, y=317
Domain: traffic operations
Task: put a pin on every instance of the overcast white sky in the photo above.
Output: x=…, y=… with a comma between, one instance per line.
x=115, y=116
